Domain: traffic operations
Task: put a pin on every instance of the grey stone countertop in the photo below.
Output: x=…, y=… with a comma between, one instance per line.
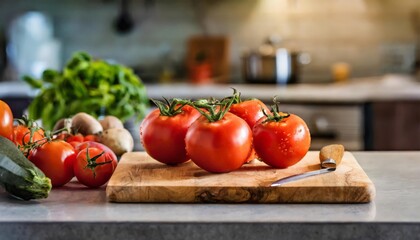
x=359, y=90
x=75, y=212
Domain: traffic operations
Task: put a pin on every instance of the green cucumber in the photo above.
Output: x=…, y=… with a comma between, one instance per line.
x=19, y=176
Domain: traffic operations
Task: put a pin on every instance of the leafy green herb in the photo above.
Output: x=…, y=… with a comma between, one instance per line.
x=87, y=85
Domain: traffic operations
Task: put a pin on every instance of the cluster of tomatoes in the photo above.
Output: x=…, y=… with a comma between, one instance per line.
x=221, y=136
x=60, y=156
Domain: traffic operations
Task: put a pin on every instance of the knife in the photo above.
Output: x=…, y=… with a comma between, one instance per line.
x=329, y=156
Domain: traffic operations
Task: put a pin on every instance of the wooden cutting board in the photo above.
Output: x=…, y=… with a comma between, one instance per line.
x=139, y=178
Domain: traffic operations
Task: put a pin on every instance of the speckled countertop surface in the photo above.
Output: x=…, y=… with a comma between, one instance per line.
x=74, y=212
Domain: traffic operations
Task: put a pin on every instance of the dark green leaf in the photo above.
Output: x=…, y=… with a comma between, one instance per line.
x=33, y=82
x=49, y=75
x=35, y=108
x=47, y=115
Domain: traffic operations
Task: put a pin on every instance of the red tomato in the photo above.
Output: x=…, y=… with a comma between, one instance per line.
x=250, y=111
x=92, y=137
x=75, y=138
x=6, y=121
x=220, y=146
x=23, y=135
x=93, y=167
x=283, y=143
x=74, y=144
x=56, y=160
x=101, y=146
x=163, y=137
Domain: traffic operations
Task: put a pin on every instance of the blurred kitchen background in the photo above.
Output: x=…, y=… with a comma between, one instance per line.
x=325, y=42
x=372, y=36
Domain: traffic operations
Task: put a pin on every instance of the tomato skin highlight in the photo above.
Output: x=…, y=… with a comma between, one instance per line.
x=6, y=121
x=281, y=144
x=56, y=160
x=98, y=176
x=220, y=146
x=163, y=137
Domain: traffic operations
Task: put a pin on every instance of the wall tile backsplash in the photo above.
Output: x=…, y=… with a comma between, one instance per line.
x=373, y=36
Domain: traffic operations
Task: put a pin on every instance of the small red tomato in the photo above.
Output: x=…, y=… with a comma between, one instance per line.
x=93, y=168
x=6, y=121
x=283, y=141
x=101, y=146
x=74, y=144
x=23, y=135
x=75, y=138
x=219, y=146
x=56, y=160
x=163, y=136
x=91, y=137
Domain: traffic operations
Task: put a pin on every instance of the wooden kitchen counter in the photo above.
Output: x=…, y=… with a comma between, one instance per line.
x=75, y=212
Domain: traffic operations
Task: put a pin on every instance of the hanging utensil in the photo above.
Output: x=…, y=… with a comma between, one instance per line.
x=124, y=22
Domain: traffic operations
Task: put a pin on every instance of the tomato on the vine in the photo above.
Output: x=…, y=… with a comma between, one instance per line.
x=163, y=131
x=56, y=159
x=282, y=139
x=219, y=142
x=93, y=167
x=250, y=110
x=27, y=132
x=6, y=121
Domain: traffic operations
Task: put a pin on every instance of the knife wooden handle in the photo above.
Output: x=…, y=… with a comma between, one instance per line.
x=333, y=151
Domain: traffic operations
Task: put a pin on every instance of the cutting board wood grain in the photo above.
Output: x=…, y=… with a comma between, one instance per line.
x=139, y=178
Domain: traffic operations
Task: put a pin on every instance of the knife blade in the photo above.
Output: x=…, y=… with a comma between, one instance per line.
x=330, y=157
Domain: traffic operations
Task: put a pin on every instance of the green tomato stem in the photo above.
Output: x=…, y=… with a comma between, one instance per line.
x=171, y=107
x=92, y=164
x=216, y=110
x=276, y=116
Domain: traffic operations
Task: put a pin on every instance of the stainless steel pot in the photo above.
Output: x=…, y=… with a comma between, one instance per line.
x=271, y=64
